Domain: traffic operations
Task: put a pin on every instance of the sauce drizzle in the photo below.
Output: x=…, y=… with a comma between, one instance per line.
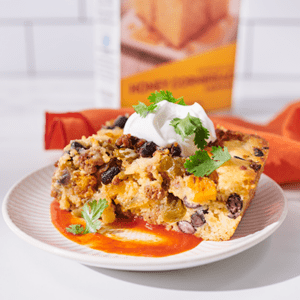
x=129, y=237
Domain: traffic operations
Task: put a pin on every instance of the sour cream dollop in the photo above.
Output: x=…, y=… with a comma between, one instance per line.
x=156, y=126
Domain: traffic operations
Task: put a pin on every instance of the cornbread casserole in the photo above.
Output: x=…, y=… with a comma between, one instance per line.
x=138, y=178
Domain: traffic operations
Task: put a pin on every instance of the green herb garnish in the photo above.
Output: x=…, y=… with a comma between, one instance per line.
x=201, y=164
x=191, y=125
x=91, y=212
x=142, y=109
x=165, y=95
x=75, y=229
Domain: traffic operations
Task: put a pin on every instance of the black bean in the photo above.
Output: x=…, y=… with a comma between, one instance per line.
x=108, y=127
x=258, y=152
x=147, y=149
x=234, y=205
x=186, y=227
x=120, y=121
x=233, y=216
x=107, y=176
x=134, y=140
x=175, y=150
x=77, y=146
x=200, y=210
x=198, y=220
x=189, y=204
x=255, y=166
x=64, y=178
x=237, y=157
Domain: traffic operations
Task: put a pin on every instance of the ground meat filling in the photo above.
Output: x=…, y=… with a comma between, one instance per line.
x=89, y=160
x=129, y=141
x=154, y=193
x=223, y=136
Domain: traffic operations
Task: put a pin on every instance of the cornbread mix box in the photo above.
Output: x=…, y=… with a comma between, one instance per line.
x=185, y=46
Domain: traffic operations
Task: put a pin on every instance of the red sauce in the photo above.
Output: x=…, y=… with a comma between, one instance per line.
x=162, y=242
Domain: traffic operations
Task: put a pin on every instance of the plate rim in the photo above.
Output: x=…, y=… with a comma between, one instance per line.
x=134, y=263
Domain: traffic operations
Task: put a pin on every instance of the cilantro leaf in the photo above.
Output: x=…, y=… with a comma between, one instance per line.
x=75, y=229
x=157, y=97
x=219, y=154
x=195, y=163
x=189, y=125
x=152, y=107
x=91, y=212
x=142, y=109
x=201, y=135
x=186, y=126
x=201, y=164
x=181, y=101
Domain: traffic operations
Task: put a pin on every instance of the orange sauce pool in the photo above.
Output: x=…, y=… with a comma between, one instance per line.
x=119, y=237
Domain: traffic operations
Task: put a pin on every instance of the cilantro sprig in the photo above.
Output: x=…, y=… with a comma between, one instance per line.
x=75, y=229
x=157, y=97
x=91, y=212
x=201, y=164
x=191, y=125
x=143, y=110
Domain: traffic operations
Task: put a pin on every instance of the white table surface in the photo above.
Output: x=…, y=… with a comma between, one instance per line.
x=270, y=270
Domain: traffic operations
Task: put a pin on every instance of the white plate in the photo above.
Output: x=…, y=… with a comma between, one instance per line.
x=26, y=211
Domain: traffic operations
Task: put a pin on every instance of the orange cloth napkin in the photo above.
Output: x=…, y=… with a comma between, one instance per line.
x=61, y=128
x=283, y=134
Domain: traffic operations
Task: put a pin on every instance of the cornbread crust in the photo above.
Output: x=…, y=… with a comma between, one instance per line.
x=157, y=187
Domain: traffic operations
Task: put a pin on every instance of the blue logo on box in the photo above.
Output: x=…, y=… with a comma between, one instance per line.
x=106, y=41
